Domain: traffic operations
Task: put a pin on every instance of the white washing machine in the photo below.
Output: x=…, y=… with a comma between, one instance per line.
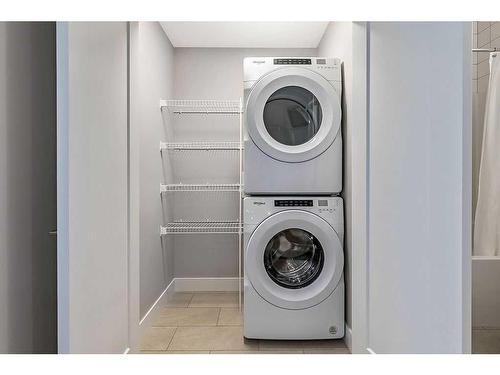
x=294, y=284
x=292, y=139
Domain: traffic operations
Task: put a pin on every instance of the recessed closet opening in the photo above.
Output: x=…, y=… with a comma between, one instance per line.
x=249, y=187
x=187, y=118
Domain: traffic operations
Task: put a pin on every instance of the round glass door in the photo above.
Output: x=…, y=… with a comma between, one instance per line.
x=292, y=115
x=293, y=258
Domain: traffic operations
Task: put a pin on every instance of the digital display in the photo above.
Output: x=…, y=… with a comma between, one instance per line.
x=321, y=61
x=322, y=202
x=293, y=203
x=292, y=61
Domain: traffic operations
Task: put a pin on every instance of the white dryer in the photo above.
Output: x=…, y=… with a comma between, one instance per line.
x=294, y=284
x=292, y=139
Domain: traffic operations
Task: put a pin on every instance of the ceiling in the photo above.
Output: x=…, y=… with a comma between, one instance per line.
x=245, y=34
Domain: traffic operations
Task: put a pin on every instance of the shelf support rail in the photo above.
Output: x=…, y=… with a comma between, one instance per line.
x=240, y=215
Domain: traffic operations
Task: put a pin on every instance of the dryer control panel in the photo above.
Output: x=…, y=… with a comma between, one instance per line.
x=255, y=68
x=293, y=203
x=292, y=61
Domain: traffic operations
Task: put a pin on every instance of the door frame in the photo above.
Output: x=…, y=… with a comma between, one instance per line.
x=62, y=95
x=360, y=155
x=467, y=195
x=134, y=316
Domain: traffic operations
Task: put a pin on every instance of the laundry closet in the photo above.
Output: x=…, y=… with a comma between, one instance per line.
x=153, y=215
x=187, y=111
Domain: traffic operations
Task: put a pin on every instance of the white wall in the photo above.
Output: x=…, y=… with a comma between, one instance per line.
x=92, y=187
x=27, y=188
x=337, y=42
x=210, y=73
x=153, y=57
x=418, y=285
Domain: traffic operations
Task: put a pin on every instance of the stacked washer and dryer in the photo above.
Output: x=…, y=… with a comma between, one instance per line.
x=293, y=217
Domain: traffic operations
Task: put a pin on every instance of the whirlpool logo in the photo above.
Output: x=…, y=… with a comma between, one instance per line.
x=259, y=203
x=259, y=61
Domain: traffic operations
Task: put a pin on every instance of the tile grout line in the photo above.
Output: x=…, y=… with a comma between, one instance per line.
x=486, y=28
x=479, y=62
x=218, y=317
x=493, y=39
x=489, y=39
x=171, y=339
x=190, y=300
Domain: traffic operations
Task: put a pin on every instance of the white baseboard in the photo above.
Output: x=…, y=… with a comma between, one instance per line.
x=348, y=337
x=154, y=310
x=206, y=284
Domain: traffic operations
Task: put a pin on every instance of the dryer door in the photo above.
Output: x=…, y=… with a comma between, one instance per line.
x=294, y=259
x=293, y=114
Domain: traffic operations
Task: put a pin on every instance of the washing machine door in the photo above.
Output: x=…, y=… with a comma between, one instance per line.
x=293, y=114
x=294, y=259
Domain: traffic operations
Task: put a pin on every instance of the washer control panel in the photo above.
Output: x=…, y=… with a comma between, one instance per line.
x=258, y=208
x=293, y=203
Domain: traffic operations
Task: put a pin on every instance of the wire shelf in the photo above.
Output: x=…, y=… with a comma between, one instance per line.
x=192, y=227
x=200, y=146
x=199, y=187
x=222, y=107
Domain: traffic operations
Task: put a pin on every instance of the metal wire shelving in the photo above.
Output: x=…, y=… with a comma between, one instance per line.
x=207, y=227
x=220, y=107
x=200, y=146
x=233, y=227
x=164, y=188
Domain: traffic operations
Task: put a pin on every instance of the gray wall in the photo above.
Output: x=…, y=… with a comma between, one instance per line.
x=153, y=59
x=92, y=187
x=419, y=181
x=210, y=73
x=337, y=42
x=27, y=188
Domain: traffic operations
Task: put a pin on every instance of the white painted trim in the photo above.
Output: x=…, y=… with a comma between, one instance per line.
x=63, y=277
x=133, y=259
x=360, y=154
x=348, y=337
x=160, y=302
x=206, y=284
x=467, y=191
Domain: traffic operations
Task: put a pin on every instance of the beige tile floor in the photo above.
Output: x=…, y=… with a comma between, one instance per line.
x=203, y=323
